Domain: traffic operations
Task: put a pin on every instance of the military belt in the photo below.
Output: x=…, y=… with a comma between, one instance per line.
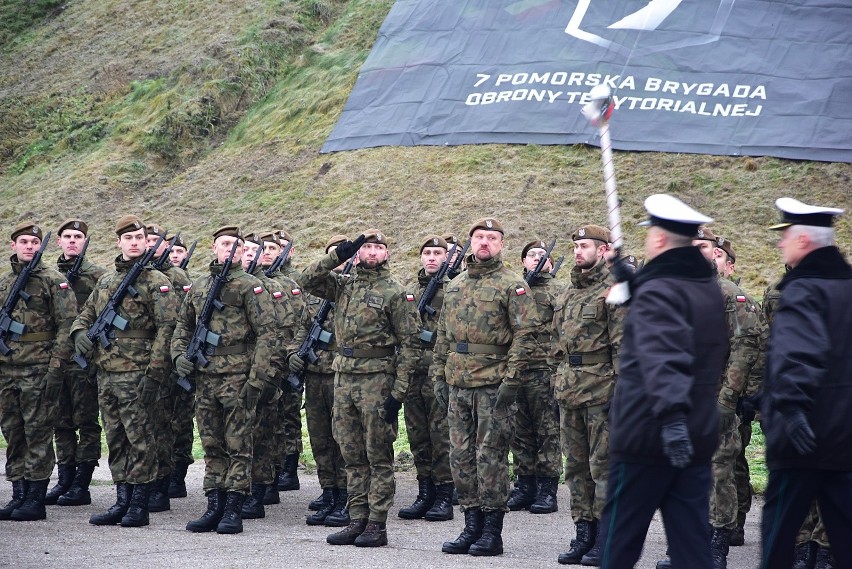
x=37, y=337
x=232, y=350
x=349, y=352
x=466, y=348
x=137, y=334
x=582, y=359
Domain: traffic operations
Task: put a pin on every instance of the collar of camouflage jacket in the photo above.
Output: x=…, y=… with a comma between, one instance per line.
x=542, y=279
x=477, y=268
x=423, y=279
x=236, y=269
x=18, y=266
x=579, y=279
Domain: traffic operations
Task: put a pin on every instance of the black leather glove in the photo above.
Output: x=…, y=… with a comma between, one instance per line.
x=82, y=344
x=52, y=386
x=442, y=393
x=183, y=366
x=149, y=390
x=267, y=393
x=676, y=443
x=746, y=409
x=797, y=428
x=250, y=394
x=506, y=396
x=392, y=407
x=621, y=270
x=347, y=249
x=295, y=363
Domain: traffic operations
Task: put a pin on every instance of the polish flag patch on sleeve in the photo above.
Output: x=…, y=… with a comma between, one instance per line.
x=520, y=291
x=257, y=289
x=277, y=294
x=165, y=288
x=296, y=291
x=63, y=286
x=409, y=297
x=741, y=298
x=187, y=288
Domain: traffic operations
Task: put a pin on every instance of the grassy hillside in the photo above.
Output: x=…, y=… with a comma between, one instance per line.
x=194, y=114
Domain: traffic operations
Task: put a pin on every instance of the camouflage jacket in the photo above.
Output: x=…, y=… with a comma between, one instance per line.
x=429, y=324
x=486, y=306
x=288, y=270
x=544, y=292
x=86, y=280
x=144, y=345
x=181, y=283
x=586, y=327
x=247, y=326
x=327, y=353
x=47, y=317
x=289, y=304
x=746, y=332
x=373, y=312
x=771, y=297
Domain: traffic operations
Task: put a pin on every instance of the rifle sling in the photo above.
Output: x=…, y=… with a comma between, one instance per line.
x=232, y=350
x=37, y=337
x=466, y=348
x=137, y=334
x=349, y=352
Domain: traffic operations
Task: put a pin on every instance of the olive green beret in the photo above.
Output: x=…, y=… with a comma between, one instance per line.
x=433, y=241
x=284, y=235
x=487, y=223
x=533, y=245
x=154, y=229
x=374, y=235
x=706, y=234
x=728, y=248
x=595, y=232
x=178, y=242
x=227, y=230
x=128, y=223
x=75, y=224
x=28, y=228
x=253, y=238
x=450, y=239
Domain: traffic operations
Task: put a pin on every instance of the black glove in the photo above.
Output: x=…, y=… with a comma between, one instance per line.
x=52, y=386
x=727, y=416
x=295, y=363
x=82, y=344
x=347, y=249
x=506, y=396
x=746, y=409
x=250, y=394
x=149, y=390
x=676, y=444
x=392, y=407
x=621, y=270
x=183, y=366
x=442, y=393
x=800, y=432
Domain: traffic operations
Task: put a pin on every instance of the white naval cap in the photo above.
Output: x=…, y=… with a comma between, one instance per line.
x=794, y=212
x=673, y=215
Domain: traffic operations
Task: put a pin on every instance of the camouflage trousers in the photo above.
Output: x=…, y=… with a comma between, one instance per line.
x=585, y=444
x=319, y=410
x=723, y=491
x=742, y=475
x=264, y=453
x=428, y=432
x=183, y=426
x=366, y=442
x=288, y=432
x=813, y=528
x=127, y=424
x=225, y=429
x=535, y=445
x=77, y=412
x=161, y=418
x=479, y=447
x=26, y=420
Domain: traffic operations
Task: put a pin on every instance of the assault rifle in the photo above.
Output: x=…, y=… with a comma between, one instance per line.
x=109, y=316
x=541, y=262
x=317, y=338
x=74, y=272
x=454, y=268
x=276, y=264
x=253, y=264
x=160, y=262
x=425, y=304
x=557, y=266
x=203, y=335
x=185, y=263
x=9, y=328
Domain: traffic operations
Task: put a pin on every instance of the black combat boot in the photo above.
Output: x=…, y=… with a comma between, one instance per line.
x=442, y=509
x=323, y=500
x=581, y=544
x=339, y=516
x=545, y=500
x=824, y=559
x=719, y=547
x=232, y=521
x=19, y=493
x=66, y=478
x=318, y=517
x=375, y=534
x=137, y=513
x=491, y=542
x=177, y=480
x=425, y=499
x=523, y=494
x=209, y=519
x=594, y=557
x=473, y=524
x=349, y=534
x=253, y=504
x=78, y=494
x=271, y=497
x=32, y=508
x=158, y=495
x=806, y=554
x=288, y=478
x=115, y=512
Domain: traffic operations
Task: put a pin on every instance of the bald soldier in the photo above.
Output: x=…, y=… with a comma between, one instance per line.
x=32, y=367
x=482, y=349
x=373, y=318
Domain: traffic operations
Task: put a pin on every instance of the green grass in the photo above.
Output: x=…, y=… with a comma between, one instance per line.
x=756, y=456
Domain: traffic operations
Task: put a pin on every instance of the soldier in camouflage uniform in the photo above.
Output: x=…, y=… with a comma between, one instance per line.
x=330, y=507
x=78, y=404
x=163, y=416
x=31, y=374
x=131, y=373
x=535, y=446
x=425, y=418
x=289, y=433
x=239, y=377
x=746, y=331
x=483, y=343
x=587, y=338
x=288, y=305
x=373, y=318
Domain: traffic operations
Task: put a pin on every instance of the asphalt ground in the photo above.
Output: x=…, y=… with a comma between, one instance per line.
x=283, y=540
